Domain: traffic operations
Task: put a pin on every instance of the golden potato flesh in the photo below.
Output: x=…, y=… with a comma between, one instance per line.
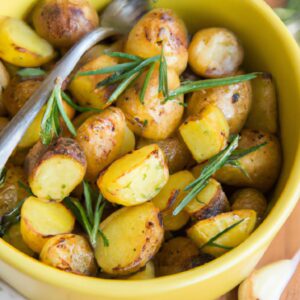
x=70, y=253
x=55, y=170
x=64, y=22
x=134, y=234
x=21, y=46
x=176, y=152
x=84, y=88
x=262, y=165
x=153, y=119
x=215, y=52
x=206, y=133
x=239, y=225
x=136, y=177
x=147, y=273
x=170, y=197
x=250, y=199
x=160, y=27
x=41, y=220
x=101, y=137
x=233, y=100
x=13, y=237
x=210, y=202
x=263, y=114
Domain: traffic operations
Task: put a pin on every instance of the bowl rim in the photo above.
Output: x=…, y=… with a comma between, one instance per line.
x=260, y=238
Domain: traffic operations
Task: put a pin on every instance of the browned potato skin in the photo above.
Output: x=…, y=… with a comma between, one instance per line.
x=177, y=154
x=70, y=253
x=154, y=119
x=263, y=165
x=233, y=100
x=250, y=199
x=160, y=27
x=100, y=137
x=64, y=22
x=177, y=255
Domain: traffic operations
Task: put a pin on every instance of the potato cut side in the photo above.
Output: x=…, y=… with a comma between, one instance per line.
x=21, y=46
x=210, y=202
x=41, y=220
x=134, y=234
x=136, y=177
x=206, y=133
x=147, y=273
x=217, y=235
x=170, y=197
x=56, y=170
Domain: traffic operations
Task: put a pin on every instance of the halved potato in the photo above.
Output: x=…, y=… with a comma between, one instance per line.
x=21, y=46
x=206, y=133
x=263, y=114
x=210, y=202
x=101, y=137
x=55, y=170
x=41, y=220
x=136, y=177
x=147, y=273
x=177, y=255
x=134, y=234
x=70, y=253
x=13, y=236
x=239, y=224
x=170, y=197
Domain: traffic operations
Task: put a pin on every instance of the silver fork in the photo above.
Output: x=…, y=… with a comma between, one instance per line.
x=117, y=18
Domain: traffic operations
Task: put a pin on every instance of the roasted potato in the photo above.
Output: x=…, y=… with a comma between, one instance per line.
x=101, y=137
x=55, y=170
x=155, y=118
x=263, y=114
x=147, y=273
x=136, y=177
x=21, y=46
x=233, y=100
x=41, y=220
x=70, y=253
x=232, y=227
x=13, y=236
x=3, y=122
x=64, y=22
x=177, y=255
x=160, y=28
x=170, y=197
x=261, y=166
x=81, y=118
x=206, y=133
x=84, y=88
x=177, y=154
x=250, y=199
x=215, y=52
x=135, y=235
x=128, y=143
x=210, y=202
x=10, y=191
x=4, y=80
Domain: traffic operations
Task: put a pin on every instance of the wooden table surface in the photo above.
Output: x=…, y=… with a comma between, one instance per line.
x=286, y=243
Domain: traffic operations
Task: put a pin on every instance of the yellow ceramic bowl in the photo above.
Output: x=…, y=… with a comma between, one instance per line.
x=268, y=47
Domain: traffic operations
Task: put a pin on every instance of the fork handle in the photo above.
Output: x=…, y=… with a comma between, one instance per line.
x=12, y=134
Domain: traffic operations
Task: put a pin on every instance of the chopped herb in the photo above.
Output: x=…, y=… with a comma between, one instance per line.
x=31, y=72
x=2, y=176
x=145, y=123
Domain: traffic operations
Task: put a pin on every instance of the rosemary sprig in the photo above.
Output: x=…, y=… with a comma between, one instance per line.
x=227, y=156
x=31, y=72
x=146, y=82
x=89, y=216
x=2, y=176
x=212, y=242
x=163, y=75
x=25, y=187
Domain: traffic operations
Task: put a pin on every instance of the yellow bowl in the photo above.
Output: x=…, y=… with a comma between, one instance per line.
x=268, y=47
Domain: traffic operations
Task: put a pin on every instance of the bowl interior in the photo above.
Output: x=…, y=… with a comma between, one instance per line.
x=268, y=47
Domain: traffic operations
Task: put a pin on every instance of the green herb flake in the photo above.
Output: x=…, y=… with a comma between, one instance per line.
x=31, y=72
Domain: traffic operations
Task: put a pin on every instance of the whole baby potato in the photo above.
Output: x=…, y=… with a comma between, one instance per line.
x=160, y=28
x=153, y=118
x=215, y=52
x=70, y=253
x=134, y=234
x=233, y=100
x=262, y=165
x=64, y=22
x=101, y=137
